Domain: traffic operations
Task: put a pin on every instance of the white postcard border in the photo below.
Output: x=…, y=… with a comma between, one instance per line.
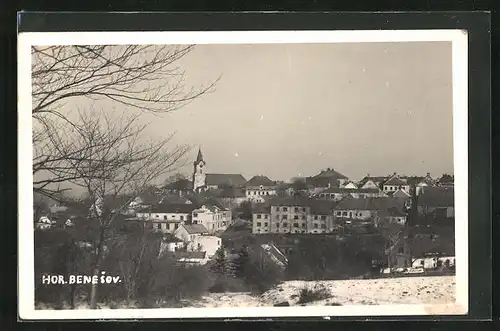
x=25, y=177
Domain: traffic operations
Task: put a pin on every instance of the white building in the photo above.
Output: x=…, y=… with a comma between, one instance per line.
x=214, y=218
x=204, y=243
x=259, y=187
x=188, y=232
x=167, y=217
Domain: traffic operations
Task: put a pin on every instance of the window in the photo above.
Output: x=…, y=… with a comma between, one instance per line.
x=315, y=225
x=277, y=208
x=303, y=225
x=266, y=216
x=176, y=226
x=323, y=218
x=303, y=217
x=344, y=213
x=165, y=217
x=296, y=209
x=339, y=213
x=285, y=224
x=277, y=225
x=323, y=226
x=295, y=225
x=304, y=210
x=259, y=216
x=266, y=224
x=401, y=250
x=315, y=217
x=296, y=217
x=285, y=217
x=259, y=224
x=285, y=209
x=182, y=218
x=195, y=214
x=277, y=217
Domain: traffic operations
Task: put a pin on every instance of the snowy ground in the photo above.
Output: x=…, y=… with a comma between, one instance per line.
x=404, y=290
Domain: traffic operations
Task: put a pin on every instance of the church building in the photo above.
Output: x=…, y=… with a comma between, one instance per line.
x=206, y=181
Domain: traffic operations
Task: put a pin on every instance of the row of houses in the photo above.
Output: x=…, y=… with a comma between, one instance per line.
x=167, y=217
x=309, y=215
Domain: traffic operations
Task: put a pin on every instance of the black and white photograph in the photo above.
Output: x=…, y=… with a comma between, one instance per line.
x=242, y=174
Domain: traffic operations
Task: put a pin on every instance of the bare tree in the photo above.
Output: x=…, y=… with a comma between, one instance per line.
x=145, y=78
x=110, y=158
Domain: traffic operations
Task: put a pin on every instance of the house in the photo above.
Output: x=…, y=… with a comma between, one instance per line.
x=231, y=197
x=170, y=243
x=338, y=193
x=259, y=186
x=395, y=183
x=188, y=232
x=414, y=250
x=372, y=182
x=205, y=243
x=44, y=223
x=446, y=181
x=213, y=216
x=293, y=215
x=350, y=185
x=325, y=179
x=207, y=181
x=371, y=210
x=437, y=202
x=398, y=194
x=168, y=217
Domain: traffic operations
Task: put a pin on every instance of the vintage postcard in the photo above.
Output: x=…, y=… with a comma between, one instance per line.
x=242, y=174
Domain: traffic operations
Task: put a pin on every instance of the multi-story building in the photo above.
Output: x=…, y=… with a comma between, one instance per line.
x=167, y=217
x=258, y=187
x=214, y=218
x=293, y=215
x=338, y=193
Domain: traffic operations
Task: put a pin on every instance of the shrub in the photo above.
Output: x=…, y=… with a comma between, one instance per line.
x=314, y=293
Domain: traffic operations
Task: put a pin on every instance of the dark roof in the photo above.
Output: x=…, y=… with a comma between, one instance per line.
x=437, y=196
x=260, y=180
x=376, y=179
x=330, y=173
x=395, y=181
x=350, y=190
x=199, y=157
x=225, y=179
x=261, y=208
x=321, y=207
x=446, y=179
x=170, y=238
x=180, y=208
x=195, y=228
x=290, y=201
x=384, y=203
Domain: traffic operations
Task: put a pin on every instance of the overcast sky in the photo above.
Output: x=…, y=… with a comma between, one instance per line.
x=289, y=110
x=292, y=109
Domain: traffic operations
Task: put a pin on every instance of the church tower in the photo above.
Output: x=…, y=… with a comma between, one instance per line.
x=199, y=175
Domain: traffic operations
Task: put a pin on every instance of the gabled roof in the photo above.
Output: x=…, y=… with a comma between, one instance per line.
x=437, y=196
x=384, y=203
x=261, y=208
x=446, y=179
x=376, y=179
x=260, y=181
x=395, y=181
x=330, y=173
x=321, y=207
x=199, y=158
x=225, y=179
x=195, y=228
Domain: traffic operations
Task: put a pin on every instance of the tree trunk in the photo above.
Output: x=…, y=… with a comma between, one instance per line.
x=95, y=271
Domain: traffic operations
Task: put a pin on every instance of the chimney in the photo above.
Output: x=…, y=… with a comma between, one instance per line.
x=428, y=174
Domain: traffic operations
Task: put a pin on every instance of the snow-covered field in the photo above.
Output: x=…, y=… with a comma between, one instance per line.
x=383, y=291
x=404, y=290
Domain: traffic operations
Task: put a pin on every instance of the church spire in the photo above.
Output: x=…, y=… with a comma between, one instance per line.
x=199, y=158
